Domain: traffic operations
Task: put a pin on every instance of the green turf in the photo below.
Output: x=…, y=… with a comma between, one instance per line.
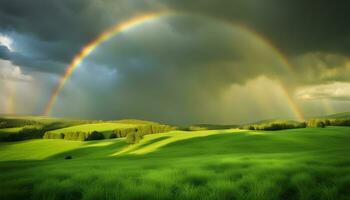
x=310, y=163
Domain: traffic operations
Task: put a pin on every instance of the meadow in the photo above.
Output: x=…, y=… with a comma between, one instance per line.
x=304, y=163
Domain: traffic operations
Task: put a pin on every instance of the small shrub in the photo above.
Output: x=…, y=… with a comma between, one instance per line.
x=68, y=157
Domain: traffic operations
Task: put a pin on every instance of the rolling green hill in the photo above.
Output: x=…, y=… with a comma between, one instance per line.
x=311, y=163
x=16, y=128
x=210, y=127
x=106, y=128
x=101, y=127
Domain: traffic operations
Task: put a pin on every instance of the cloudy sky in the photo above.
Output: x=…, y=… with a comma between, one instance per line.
x=208, y=62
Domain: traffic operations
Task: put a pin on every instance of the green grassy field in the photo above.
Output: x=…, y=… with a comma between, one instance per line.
x=312, y=163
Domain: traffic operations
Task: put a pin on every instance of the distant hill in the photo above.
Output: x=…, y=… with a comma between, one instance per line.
x=135, y=121
x=344, y=115
x=15, y=128
x=38, y=121
x=217, y=126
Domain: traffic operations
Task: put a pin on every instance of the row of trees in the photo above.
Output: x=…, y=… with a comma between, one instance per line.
x=313, y=123
x=337, y=122
x=133, y=135
x=81, y=136
x=26, y=133
x=13, y=123
x=275, y=126
x=32, y=129
x=142, y=130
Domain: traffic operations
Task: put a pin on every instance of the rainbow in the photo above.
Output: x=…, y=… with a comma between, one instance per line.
x=87, y=49
x=136, y=21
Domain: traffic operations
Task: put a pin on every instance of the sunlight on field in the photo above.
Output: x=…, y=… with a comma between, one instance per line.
x=36, y=149
x=152, y=143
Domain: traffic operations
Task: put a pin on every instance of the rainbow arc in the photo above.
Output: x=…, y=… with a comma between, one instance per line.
x=136, y=21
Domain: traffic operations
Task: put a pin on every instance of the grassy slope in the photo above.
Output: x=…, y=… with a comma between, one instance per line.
x=230, y=164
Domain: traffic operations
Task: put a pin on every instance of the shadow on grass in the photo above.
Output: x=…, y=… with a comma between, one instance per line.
x=92, y=151
x=104, y=151
x=219, y=144
x=228, y=143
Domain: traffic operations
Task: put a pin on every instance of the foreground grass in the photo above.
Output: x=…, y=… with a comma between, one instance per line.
x=231, y=164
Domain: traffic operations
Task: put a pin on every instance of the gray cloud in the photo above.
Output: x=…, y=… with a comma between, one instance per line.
x=296, y=26
x=318, y=68
x=338, y=91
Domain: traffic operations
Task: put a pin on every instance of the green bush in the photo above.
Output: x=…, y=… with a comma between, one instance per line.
x=49, y=135
x=28, y=132
x=95, y=136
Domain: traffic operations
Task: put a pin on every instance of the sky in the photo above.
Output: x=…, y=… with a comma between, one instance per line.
x=223, y=61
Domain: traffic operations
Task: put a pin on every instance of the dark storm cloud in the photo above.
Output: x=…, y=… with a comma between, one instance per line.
x=185, y=62
x=297, y=26
x=55, y=30
x=61, y=28
x=315, y=68
x=4, y=52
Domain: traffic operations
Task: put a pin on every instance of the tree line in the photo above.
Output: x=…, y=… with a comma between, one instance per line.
x=312, y=123
x=132, y=135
